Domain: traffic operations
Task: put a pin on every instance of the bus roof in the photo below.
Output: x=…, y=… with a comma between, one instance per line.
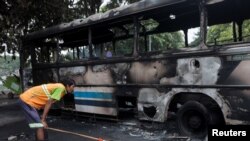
x=186, y=11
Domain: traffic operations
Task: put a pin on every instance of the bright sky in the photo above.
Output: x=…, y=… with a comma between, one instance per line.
x=105, y=2
x=5, y=46
x=191, y=34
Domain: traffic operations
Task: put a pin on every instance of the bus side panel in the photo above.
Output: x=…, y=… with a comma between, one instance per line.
x=94, y=100
x=236, y=73
x=153, y=102
x=151, y=72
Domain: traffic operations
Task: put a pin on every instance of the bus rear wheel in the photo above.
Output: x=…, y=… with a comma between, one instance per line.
x=193, y=119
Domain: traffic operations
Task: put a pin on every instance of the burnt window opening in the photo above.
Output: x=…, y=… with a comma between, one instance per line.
x=150, y=111
x=195, y=64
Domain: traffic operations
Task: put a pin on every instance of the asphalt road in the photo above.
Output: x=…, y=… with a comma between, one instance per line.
x=13, y=125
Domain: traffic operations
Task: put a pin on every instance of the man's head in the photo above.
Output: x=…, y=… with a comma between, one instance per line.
x=69, y=84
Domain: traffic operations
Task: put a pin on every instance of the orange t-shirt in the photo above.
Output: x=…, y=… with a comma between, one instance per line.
x=38, y=96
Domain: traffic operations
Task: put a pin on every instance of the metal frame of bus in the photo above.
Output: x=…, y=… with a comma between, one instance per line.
x=216, y=101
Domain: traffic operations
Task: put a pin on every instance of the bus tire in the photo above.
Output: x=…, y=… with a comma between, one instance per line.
x=193, y=119
x=10, y=95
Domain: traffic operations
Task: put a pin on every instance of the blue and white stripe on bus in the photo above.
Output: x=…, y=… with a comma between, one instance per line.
x=92, y=95
x=97, y=100
x=95, y=103
x=93, y=98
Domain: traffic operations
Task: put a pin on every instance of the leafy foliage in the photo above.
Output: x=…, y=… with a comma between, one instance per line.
x=86, y=8
x=246, y=30
x=24, y=16
x=166, y=41
x=20, y=17
x=221, y=33
x=8, y=65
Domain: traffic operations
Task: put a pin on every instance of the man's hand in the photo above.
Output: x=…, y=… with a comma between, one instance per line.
x=45, y=112
x=45, y=125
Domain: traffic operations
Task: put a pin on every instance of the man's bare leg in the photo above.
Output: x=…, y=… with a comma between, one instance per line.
x=40, y=134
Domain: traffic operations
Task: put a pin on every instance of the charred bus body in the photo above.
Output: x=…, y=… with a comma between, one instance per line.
x=205, y=84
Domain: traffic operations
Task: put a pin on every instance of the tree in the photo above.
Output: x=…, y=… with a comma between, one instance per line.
x=246, y=30
x=86, y=8
x=21, y=17
x=220, y=33
x=167, y=41
x=223, y=33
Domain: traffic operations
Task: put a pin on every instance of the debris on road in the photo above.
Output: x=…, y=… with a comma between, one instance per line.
x=19, y=137
x=12, y=138
x=77, y=134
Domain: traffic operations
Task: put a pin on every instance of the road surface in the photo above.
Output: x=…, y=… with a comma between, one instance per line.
x=13, y=126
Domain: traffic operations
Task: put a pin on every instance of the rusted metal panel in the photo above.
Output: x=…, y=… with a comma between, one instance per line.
x=236, y=72
x=189, y=71
x=155, y=82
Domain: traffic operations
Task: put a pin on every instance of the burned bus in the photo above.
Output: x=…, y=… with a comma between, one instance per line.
x=141, y=56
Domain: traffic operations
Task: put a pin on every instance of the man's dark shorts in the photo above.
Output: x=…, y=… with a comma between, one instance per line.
x=31, y=115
